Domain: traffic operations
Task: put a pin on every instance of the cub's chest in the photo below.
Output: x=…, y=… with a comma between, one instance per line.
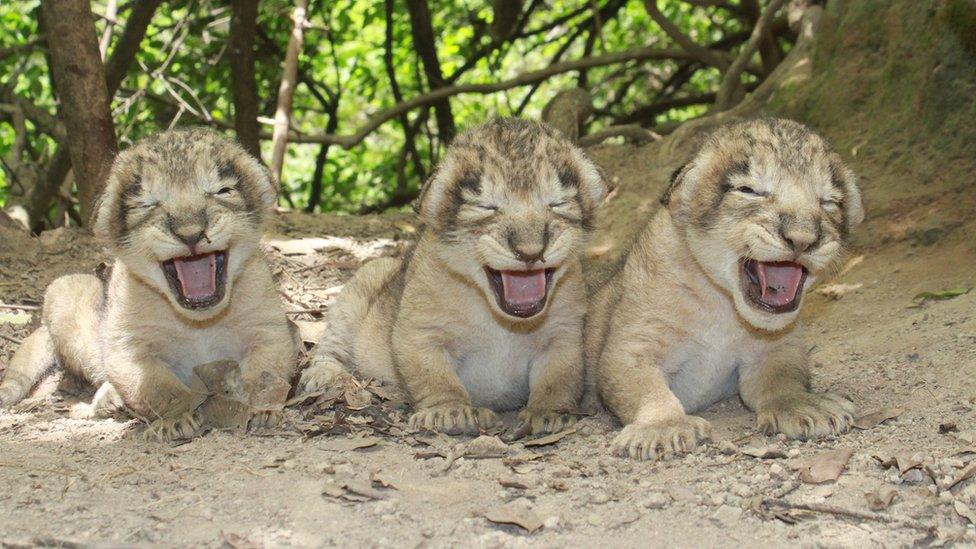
x=704, y=369
x=495, y=366
x=185, y=349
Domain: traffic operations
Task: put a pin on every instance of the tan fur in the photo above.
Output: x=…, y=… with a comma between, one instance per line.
x=672, y=333
x=431, y=322
x=129, y=335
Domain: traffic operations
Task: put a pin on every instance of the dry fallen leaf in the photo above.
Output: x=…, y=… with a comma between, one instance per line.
x=349, y=444
x=824, y=467
x=967, y=473
x=512, y=483
x=905, y=462
x=357, y=397
x=964, y=511
x=764, y=453
x=511, y=514
x=383, y=479
x=877, y=417
x=881, y=498
x=352, y=490
x=837, y=291
x=549, y=439
x=851, y=263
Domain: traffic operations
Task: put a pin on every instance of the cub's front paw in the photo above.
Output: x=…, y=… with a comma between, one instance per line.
x=319, y=378
x=166, y=429
x=453, y=419
x=653, y=440
x=806, y=415
x=537, y=422
x=265, y=419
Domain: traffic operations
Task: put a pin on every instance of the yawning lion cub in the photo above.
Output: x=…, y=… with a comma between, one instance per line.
x=705, y=305
x=486, y=314
x=182, y=213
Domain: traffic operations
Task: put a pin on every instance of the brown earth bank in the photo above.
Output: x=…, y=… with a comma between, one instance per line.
x=890, y=83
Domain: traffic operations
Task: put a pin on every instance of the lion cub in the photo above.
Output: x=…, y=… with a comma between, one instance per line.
x=182, y=214
x=486, y=313
x=705, y=304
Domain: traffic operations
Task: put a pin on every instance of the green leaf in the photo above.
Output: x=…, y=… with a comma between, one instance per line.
x=942, y=295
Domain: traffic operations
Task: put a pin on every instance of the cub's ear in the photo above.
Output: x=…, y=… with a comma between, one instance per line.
x=261, y=184
x=845, y=179
x=676, y=177
x=591, y=179
x=443, y=187
x=109, y=213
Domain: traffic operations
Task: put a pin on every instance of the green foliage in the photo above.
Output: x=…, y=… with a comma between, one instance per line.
x=181, y=76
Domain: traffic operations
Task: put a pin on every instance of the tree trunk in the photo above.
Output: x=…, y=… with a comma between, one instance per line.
x=140, y=15
x=243, y=28
x=286, y=90
x=84, y=98
x=423, y=41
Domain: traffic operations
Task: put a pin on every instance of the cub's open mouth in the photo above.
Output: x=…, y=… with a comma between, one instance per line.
x=197, y=280
x=520, y=293
x=772, y=286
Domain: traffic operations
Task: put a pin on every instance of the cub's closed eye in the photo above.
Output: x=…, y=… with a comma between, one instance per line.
x=829, y=203
x=224, y=191
x=558, y=204
x=749, y=191
x=486, y=207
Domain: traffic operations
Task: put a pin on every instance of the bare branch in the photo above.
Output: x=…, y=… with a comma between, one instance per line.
x=128, y=43
x=648, y=112
x=423, y=41
x=631, y=132
x=287, y=89
x=731, y=81
x=696, y=50
x=524, y=79
x=111, y=8
x=528, y=78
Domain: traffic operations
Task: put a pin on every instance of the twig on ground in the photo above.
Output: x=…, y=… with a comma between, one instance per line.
x=13, y=340
x=846, y=513
x=20, y=307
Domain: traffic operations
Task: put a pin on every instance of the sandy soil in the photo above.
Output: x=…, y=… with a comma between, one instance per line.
x=71, y=481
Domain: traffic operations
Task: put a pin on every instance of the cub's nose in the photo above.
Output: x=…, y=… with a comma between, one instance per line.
x=529, y=250
x=191, y=236
x=800, y=240
x=529, y=254
x=188, y=231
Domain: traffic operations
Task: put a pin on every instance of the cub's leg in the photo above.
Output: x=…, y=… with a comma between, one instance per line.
x=68, y=334
x=335, y=356
x=151, y=391
x=106, y=403
x=634, y=388
x=778, y=390
x=555, y=391
x=427, y=374
x=266, y=372
x=28, y=365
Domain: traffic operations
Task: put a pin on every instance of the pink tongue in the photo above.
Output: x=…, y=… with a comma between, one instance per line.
x=779, y=281
x=524, y=287
x=198, y=275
